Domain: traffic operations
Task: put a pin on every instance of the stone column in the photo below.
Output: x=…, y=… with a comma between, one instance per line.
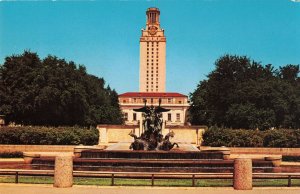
x=63, y=173
x=103, y=135
x=242, y=175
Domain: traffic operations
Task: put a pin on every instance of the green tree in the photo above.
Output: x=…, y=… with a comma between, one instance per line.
x=241, y=93
x=54, y=92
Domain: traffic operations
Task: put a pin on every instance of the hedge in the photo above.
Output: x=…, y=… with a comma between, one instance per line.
x=11, y=154
x=48, y=135
x=286, y=138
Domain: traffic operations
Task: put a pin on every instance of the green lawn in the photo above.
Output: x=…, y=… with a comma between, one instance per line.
x=147, y=182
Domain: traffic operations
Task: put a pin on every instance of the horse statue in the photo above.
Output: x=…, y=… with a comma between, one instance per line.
x=138, y=144
x=166, y=145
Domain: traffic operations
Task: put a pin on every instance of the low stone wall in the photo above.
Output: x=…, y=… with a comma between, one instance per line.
x=267, y=151
x=119, y=133
x=261, y=151
x=36, y=148
x=186, y=134
x=116, y=133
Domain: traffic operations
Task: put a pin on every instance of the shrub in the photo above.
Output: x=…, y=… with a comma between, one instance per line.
x=215, y=136
x=11, y=155
x=48, y=135
x=280, y=138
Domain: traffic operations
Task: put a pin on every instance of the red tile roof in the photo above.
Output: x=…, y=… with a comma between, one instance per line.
x=152, y=94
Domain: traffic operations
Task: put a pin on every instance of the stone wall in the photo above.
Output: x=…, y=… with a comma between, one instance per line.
x=116, y=133
x=119, y=133
x=36, y=148
x=267, y=151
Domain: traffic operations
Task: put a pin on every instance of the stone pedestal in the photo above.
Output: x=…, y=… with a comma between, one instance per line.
x=28, y=157
x=276, y=160
x=103, y=135
x=242, y=176
x=63, y=174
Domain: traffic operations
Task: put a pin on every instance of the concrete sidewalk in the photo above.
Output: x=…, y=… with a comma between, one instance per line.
x=49, y=189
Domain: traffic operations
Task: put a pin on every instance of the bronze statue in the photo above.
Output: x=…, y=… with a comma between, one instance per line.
x=152, y=138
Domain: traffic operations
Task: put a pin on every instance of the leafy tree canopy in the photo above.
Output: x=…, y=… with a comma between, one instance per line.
x=54, y=92
x=241, y=93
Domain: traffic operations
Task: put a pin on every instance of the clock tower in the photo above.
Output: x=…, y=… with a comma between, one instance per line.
x=153, y=54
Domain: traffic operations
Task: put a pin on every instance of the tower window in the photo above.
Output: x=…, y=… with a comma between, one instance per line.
x=178, y=117
x=134, y=116
x=169, y=117
x=126, y=116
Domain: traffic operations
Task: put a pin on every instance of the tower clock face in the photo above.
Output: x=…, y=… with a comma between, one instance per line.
x=152, y=30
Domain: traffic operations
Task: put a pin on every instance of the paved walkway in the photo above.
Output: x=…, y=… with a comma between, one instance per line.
x=49, y=189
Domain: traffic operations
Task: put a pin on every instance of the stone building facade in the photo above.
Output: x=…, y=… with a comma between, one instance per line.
x=177, y=103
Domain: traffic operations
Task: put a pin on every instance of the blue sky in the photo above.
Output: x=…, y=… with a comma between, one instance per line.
x=104, y=35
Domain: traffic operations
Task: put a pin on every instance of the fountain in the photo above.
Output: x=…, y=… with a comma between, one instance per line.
x=152, y=138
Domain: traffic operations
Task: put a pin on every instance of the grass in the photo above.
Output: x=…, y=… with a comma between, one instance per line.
x=147, y=182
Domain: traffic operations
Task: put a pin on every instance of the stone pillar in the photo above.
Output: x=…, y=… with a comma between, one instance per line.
x=103, y=135
x=276, y=160
x=63, y=173
x=242, y=175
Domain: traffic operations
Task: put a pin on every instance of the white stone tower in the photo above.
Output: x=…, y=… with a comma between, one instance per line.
x=153, y=54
